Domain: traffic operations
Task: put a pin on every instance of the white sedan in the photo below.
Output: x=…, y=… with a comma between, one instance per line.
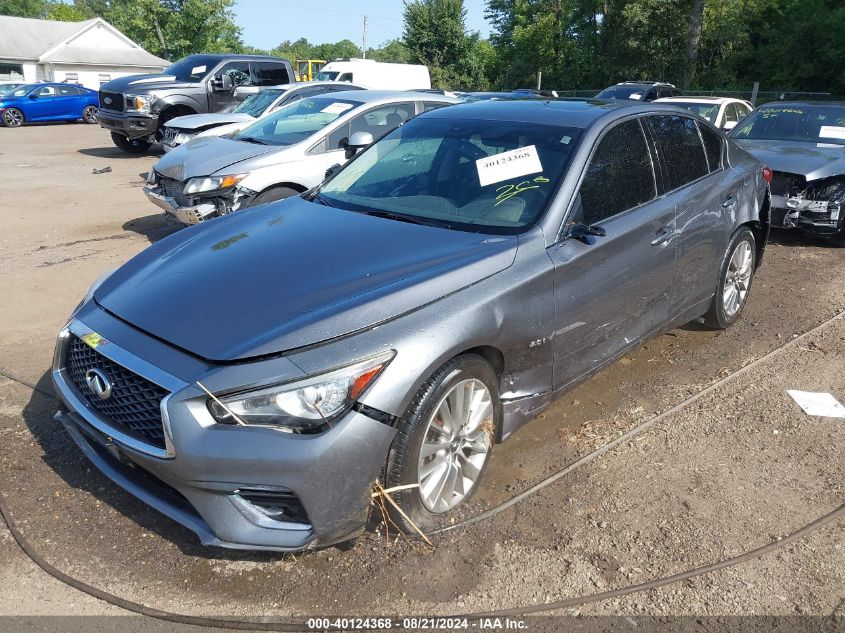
x=723, y=112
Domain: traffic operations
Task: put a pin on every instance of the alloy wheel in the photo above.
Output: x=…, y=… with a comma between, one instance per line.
x=89, y=114
x=13, y=117
x=737, y=278
x=456, y=445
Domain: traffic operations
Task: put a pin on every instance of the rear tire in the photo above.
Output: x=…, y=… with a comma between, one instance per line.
x=89, y=114
x=735, y=279
x=12, y=117
x=133, y=146
x=273, y=195
x=447, y=461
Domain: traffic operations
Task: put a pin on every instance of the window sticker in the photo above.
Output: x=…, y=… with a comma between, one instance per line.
x=832, y=131
x=507, y=165
x=336, y=108
x=636, y=96
x=197, y=70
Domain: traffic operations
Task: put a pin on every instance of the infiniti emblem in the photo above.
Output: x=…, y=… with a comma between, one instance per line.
x=98, y=383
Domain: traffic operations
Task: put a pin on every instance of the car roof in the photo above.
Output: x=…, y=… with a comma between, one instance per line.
x=695, y=99
x=221, y=56
x=580, y=113
x=644, y=83
x=368, y=96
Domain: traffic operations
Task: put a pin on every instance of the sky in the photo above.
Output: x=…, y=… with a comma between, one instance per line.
x=266, y=23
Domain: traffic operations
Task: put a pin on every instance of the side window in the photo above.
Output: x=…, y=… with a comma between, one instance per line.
x=742, y=111
x=712, y=147
x=664, y=92
x=239, y=72
x=680, y=146
x=68, y=91
x=345, y=77
x=47, y=91
x=619, y=176
x=432, y=105
x=731, y=115
x=270, y=74
x=378, y=122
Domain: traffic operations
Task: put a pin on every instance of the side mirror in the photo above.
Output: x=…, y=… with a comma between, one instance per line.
x=33, y=95
x=331, y=171
x=585, y=233
x=222, y=83
x=727, y=126
x=357, y=142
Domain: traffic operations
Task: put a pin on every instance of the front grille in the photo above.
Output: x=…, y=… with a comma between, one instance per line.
x=111, y=101
x=134, y=406
x=174, y=188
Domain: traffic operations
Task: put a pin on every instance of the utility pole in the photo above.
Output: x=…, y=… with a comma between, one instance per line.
x=364, y=47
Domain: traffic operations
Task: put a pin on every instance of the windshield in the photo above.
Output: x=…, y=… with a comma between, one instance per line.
x=816, y=124
x=256, y=104
x=326, y=76
x=470, y=175
x=7, y=89
x=622, y=92
x=707, y=111
x=297, y=121
x=192, y=67
x=22, y=91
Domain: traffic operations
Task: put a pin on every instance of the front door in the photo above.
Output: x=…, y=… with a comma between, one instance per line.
x=239, y=72
x=613, y=291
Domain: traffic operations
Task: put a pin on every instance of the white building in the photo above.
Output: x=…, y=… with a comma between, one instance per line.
x=90, y=52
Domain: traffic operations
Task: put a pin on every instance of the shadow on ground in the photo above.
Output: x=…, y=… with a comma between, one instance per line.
x=114, y=152
x=153, y=227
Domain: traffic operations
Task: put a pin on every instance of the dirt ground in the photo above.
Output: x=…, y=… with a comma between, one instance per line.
x=734, y=470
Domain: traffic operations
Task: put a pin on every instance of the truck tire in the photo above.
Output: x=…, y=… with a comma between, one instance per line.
x=134, y=146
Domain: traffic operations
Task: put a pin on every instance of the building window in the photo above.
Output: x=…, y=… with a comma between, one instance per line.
x=11, y=72
x=104, y=78
x=72, y=78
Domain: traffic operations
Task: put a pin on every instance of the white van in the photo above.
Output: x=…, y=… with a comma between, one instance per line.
x=376, y=75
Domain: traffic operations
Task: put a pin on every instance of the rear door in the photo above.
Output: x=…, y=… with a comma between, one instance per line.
x=703, y=191
x=613, y=291
x=70, y=101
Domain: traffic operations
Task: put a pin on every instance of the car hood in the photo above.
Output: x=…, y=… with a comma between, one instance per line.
x=139, y=84
x=811, y=160
x=207, y=155
x=291, y=274
x=196, y=121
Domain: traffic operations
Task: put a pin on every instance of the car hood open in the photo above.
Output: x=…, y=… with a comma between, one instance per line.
x=291, y=274
x=207, y=155
x=809, y=159
x=197, y=121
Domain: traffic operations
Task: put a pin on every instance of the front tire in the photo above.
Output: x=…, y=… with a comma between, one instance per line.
x=12, y=117
x=133, y=146
x=735, y=279
x=444, y=442
x=89, y=114
x=273, y=195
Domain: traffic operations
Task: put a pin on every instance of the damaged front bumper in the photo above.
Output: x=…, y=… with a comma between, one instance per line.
x=196, y=209
x=817, y=206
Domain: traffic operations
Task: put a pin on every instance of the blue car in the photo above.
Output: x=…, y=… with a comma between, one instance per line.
x=48, y=102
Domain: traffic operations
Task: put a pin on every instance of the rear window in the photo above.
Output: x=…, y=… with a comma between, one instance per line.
x=270, y=73
x=709, y=111
x=624, y=92
x=683, y=154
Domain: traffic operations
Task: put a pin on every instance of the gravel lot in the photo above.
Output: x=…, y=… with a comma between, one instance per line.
x=736, y=469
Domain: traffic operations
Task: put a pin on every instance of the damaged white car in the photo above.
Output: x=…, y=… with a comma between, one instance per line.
x=804, y=146
x=280, y=155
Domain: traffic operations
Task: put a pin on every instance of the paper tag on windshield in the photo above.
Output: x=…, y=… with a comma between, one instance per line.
x=636, y=96
x=336, y=108
x=832, y=131
x=507, y=165
x=197, y=69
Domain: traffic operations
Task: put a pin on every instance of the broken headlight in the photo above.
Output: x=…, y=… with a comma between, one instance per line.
x=306, y=406
x=822, y=197
x=212, y=183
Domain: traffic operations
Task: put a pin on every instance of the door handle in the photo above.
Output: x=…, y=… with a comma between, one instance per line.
x=729, y=202
x=663, y=236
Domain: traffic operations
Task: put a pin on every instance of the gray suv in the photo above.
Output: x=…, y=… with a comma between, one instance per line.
x=252, y=376
x=135, y=108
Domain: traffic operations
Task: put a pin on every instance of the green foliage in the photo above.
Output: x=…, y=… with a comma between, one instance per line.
x=24, y=8
x=783, y=44
x=435, y=35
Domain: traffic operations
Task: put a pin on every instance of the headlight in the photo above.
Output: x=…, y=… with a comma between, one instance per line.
x=306, y=406
x=139, y=103
x=212, y=183
x=182, y=137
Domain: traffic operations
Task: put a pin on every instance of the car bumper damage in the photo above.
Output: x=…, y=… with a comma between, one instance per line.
x=817, y=206
x=132, y=127
x=233, y=486
x=168, y=195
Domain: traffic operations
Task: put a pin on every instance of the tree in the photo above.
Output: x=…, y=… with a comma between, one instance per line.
x=393, y=51
x=67, y=12
x=24, y=8
x=435, y=35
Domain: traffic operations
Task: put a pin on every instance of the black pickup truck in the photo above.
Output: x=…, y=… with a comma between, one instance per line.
x=135, y=108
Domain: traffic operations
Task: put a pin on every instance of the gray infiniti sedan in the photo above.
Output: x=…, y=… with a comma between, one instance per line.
x=251, y=377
